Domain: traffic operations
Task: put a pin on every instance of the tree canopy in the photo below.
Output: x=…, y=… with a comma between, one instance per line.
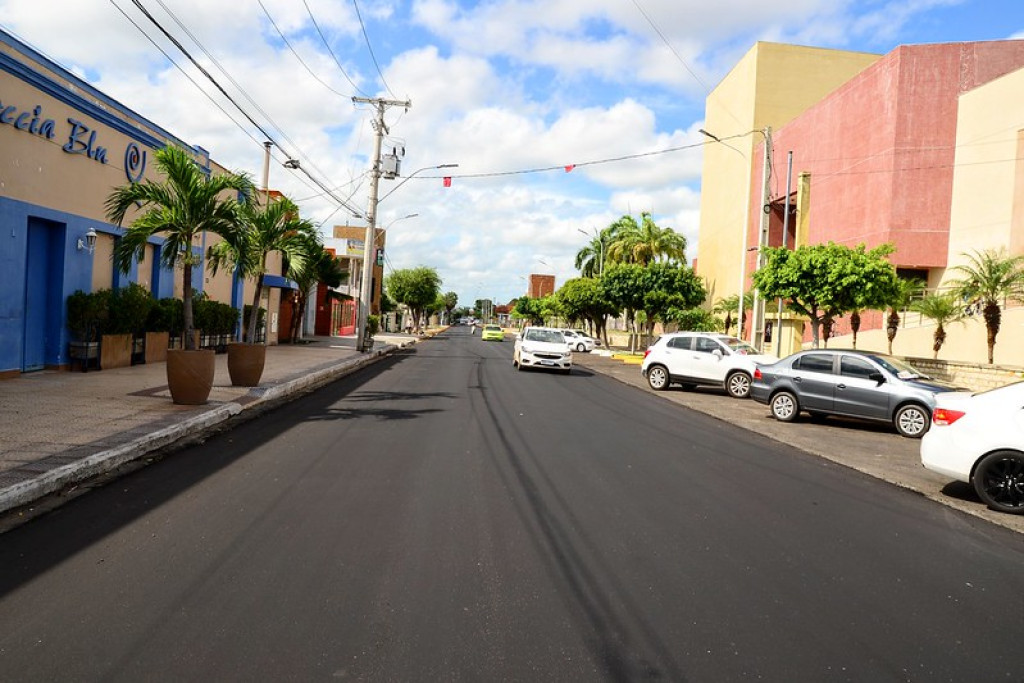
x=418, y=288
x=825, y=281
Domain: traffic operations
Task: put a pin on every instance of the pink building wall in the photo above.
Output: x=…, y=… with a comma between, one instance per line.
x=880, y=150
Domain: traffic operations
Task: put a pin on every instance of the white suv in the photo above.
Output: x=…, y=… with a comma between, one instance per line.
x=542, y=347
x=692, y=358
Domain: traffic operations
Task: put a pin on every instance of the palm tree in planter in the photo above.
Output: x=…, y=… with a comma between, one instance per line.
x=181, y=207
x=943, y=309
x=989, y=278
x=273, y=226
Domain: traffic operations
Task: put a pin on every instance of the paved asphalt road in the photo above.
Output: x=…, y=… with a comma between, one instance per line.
x=443, y=517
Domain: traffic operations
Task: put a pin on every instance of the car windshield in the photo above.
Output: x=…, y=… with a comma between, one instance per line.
x=737, y=346
x=545, y=336
x=900, y=368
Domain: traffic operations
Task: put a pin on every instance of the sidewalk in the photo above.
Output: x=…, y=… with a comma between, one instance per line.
x=59, y=428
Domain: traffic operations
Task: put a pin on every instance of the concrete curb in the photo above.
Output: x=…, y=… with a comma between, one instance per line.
x=52, y=481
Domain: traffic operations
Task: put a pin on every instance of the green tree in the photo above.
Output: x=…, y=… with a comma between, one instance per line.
x=530, y=309
x=653, y=290
x=451, y=300
x=318, y=267
x=181, y=207
x=943, y=309
x=416, y=288
x=905, y=291
x=824, y=281
x=272, y=226
x=989, y=278
x=730, y=306
x=583, y=298
x=590, y=259
x=643, y=243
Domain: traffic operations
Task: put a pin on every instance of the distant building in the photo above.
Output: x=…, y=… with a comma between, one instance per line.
x=541, y=286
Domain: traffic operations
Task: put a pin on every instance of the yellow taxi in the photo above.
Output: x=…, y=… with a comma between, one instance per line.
x=492, y=333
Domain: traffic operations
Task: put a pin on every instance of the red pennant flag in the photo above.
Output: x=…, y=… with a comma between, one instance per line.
x=570, y=167
x=447, y=181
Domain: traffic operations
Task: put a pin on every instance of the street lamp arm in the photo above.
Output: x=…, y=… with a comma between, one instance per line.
x=410, y=176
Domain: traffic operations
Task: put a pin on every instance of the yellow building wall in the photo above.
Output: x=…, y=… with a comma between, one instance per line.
x=772, y=84
x=988, y=178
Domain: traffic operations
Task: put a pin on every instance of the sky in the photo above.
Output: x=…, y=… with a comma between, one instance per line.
x=562, y=115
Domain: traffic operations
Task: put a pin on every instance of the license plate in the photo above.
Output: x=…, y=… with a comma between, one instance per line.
x=547, y=362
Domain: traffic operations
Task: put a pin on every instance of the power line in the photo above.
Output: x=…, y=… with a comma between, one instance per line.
x=329, y=50
x=297, y=56
x=210, y=77
x=362, y=25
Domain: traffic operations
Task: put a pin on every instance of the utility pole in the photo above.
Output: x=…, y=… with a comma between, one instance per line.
x=757, y=324
x=365, y=295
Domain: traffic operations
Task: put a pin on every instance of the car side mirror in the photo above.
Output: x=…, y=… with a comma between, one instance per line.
x=717, y=353
x=877, y=377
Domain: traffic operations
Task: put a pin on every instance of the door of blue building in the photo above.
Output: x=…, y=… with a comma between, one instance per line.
x=42, y=294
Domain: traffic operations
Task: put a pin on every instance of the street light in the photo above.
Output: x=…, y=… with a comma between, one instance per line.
x=409, y=177
x=600, y=240
x=765, y=189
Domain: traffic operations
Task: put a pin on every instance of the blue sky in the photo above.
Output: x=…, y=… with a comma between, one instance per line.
x=498, y=87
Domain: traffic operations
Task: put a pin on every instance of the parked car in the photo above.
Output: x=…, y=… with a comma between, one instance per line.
x=578, y=341
x=979, y=439
x=542, y=347
x=492, y=333
x=693, y=358
x=860, y=384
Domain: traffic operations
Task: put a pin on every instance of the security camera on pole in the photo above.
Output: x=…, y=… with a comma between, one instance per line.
x=363, y=342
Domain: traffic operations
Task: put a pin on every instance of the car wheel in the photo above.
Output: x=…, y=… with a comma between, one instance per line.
x=912, y=421
x=999, y=481
x=784, y=406
x=738, y=385
x=580, y=347
x=657, y=377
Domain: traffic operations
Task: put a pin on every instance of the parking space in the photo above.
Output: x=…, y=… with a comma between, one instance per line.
x=874, y=449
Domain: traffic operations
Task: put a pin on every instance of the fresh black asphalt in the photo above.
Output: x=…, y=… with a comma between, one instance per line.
x=441, y=516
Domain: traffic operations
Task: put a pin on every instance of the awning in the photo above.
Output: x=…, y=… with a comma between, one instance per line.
x=279, y=281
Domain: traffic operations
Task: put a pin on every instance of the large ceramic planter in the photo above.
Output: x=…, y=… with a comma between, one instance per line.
x=115, y=351
x=190, y=375
x=245, y=364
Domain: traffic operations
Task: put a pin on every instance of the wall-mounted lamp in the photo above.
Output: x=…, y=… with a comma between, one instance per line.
x=90, y=241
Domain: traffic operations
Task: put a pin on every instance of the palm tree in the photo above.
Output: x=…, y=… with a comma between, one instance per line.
x=275, y=226
x=943, y=309
x=318, y=266
x=590, y=259
x=644, y=243
x=989, y=278
x=904, y=292
x=730, y=305
x=186, y=204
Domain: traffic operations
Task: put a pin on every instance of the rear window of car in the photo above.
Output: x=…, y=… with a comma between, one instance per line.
x=814, y=362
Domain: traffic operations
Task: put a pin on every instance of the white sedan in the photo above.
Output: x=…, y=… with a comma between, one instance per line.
x=542, y=347
x=979, y=439
x=578, y=341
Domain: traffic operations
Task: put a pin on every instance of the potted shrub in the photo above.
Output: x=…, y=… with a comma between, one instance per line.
x=129, y=312
x=276, y=226
x=164, y=316
x=185, y=204
x=86, y=313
